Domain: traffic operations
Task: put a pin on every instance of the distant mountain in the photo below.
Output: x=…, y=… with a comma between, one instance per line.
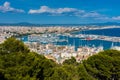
x=106, y=24
x=24, y=23
x=32, y=24
x=19, y=24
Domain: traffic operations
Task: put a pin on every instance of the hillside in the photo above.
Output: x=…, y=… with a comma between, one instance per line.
x=18, y=63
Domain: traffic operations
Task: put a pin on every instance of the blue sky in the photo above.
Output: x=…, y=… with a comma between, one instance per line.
x=59, y=11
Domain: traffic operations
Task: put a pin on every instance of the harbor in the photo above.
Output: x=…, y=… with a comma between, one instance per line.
x=57, y=44
x=60, y=47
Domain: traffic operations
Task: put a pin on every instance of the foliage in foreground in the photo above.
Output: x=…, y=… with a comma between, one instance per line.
x=18, y=63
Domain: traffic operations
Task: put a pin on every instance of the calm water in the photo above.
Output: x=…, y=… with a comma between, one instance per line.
x=106, y=32
x=78, y=42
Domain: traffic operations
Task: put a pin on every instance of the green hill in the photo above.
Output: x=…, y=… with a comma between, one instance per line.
x=18, y=63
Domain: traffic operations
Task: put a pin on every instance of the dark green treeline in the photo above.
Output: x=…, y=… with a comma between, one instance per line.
x=18, y=63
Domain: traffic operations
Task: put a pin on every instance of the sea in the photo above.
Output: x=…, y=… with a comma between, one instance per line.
x=77, y=42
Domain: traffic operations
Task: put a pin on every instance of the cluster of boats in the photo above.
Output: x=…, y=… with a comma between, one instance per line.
x=45, y=38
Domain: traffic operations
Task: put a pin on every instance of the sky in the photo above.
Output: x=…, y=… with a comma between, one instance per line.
x=59, y=11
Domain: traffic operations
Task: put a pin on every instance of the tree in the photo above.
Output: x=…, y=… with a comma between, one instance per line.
x=70, y=61
x=17, y=63
x=83, y=74
x=105, y=65
x=12, y=45
x=72, y=71
x=2, y=77
x=59, y=74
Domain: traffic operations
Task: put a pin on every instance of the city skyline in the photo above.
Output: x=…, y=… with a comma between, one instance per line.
x=59, y=11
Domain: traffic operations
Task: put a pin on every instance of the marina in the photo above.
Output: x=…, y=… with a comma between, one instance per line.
x=77, y=39
x=61, y=45
x=59, y=40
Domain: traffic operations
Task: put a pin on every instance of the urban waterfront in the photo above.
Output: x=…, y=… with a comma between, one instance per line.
x=77, y=42
x=60, y=43
x=59, y=40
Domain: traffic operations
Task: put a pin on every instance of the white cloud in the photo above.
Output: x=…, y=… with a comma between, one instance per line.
x=104, y=18
x=72, y=12
x=65, y=11
x=116, y=18
x=58, y=11
x=7, y=8
x=92, y=14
